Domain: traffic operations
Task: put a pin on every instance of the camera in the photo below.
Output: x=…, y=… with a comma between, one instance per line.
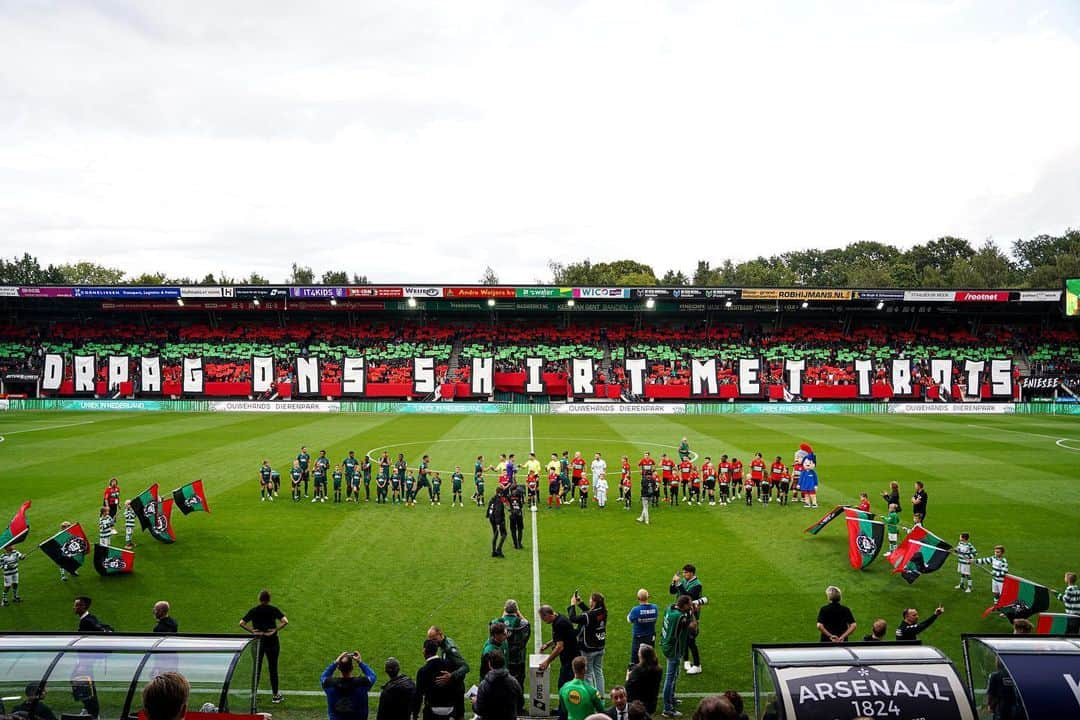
x=700, y=601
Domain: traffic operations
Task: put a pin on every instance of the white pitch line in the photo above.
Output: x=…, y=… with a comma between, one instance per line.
x=51, y=427
x=535, y=560
x=1058, y=440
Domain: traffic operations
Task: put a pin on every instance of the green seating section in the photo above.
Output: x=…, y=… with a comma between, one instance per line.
x=518, y=353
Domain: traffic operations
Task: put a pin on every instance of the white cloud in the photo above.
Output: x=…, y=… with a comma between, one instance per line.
x=423, y=141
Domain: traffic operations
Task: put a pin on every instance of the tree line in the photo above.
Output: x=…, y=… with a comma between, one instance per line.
x=1040, y=262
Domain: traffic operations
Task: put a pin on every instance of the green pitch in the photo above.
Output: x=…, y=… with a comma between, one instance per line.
x=375, y=577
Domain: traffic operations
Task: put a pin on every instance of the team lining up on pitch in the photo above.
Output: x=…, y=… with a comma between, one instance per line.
x=396, y=482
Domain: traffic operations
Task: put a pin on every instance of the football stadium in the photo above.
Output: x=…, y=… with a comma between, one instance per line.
x=359, y=451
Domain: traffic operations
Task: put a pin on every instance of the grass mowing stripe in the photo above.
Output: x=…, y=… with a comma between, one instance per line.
x=535, y=556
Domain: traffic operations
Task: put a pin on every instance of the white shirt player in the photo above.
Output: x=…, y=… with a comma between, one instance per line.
x=599, y=470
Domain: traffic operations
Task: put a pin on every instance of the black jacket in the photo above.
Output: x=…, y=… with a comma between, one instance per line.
x=498, y=696
x=428, y=693
x=644, y=685
x=592, y=632
x=396, y=698
x=90, y=623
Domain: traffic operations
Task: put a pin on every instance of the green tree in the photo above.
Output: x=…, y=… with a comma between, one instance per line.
x=28, y=271
x=993, y=267
x=674, y=278
x=335, y=277
x=209, y=280
x=489, y=277
x=939, y=254
x=149, y=279
x=88, y=273
x=618, y=272
x=1045, y=249
x=360, y=279
x=301, y=275
x=255, y=279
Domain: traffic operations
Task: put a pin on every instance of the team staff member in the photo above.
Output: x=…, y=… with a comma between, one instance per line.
x=455, y=676
x=919, y=501
x=304, y=458
x=111, y=499
x=266, y=621
x=563, y=645
x=347, y=696
x=643, y=623
x=496, y=515
x=687, y=583
x=365, y=470
x=515, y=501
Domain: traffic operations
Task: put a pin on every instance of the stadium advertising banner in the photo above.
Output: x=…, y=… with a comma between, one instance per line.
x=482, y=293
x=9, y=291
x=982, y=296
x=879, y=294
x=818, y=294
x=260, y=292
x=544, y=292
x=153, y=292
x=929, y=295
x=1072, y=297
x=602, y=293
x=207, y=292
x=50, y=292
x=884, y=691
x=1049, y=683
x=373, y=291
x=422, y=292
x=317, y=292
x=952, y=408
x=294, y=407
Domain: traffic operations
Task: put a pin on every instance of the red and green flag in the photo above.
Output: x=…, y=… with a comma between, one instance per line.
x=68, y=548
x=828, y=518
x=17, y=529
x=920, y=553
x=162, y=529
x=113, y=560
x=1057, y=624
x=191, y=498
x=865, y=537
x=1020, y=598
x=146, y=505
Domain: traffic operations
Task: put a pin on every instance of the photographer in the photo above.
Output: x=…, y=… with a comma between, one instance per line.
x=592, y=632
x=679, y=624
x=347, y=696
x=686, y=582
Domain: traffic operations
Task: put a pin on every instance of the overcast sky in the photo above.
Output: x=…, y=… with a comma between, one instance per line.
x=415, y=141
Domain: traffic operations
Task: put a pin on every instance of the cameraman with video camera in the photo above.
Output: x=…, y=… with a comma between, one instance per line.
x=686, y=582
x=347, y=696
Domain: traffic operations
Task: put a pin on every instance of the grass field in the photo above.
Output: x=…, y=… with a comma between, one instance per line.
x=375, y=577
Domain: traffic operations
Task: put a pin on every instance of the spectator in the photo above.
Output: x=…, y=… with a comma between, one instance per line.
x=396, y=697
x=642, y=619
x=620, y=707
x=643, y=680
x=166, y=696
x=579, y=698
x=265, y=621
x=496, y=641
x=835, y=621
x=347, y=696
x=499, y=695
x=736, y=703
x=165, y=623
x=437, y=700
x=1021, y=626
x=1001, y=697
x=519, y=631
x=715, y=707
x=877, y=631
x=88, y=622
x=910, y=627
x=591, y=635
x=675, y=632
x=33, y=707
x=637, y=711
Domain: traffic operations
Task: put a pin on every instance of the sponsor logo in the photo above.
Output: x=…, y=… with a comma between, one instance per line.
x=46, y=292
x=375, y=292
x=879, y=295
x=544, y=292
x=602, y=292
x=285, y=406
x=982, y=296
x=201, y=292
x=687, y=293
x=619, y=409
x=430, y=292
x=952, y=408
x=652, y=292
x=127, y=292
x=317, y=292
x=4, y=404
x=796, y=294
x=9, y=292
x=714, y=293
x=480, y=292
x=929, y=295
x=1040, y=295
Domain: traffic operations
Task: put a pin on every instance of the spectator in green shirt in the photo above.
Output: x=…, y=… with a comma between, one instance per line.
x=579, y=697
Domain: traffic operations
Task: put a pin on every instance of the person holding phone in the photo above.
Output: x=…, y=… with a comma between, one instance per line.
x=347, y=695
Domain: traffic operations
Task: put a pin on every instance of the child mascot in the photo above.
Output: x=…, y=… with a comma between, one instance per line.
x=808, y=479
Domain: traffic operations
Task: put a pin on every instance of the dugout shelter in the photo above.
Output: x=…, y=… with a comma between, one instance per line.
x=101, y=675
x=1043, y=671
x=878, y=680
